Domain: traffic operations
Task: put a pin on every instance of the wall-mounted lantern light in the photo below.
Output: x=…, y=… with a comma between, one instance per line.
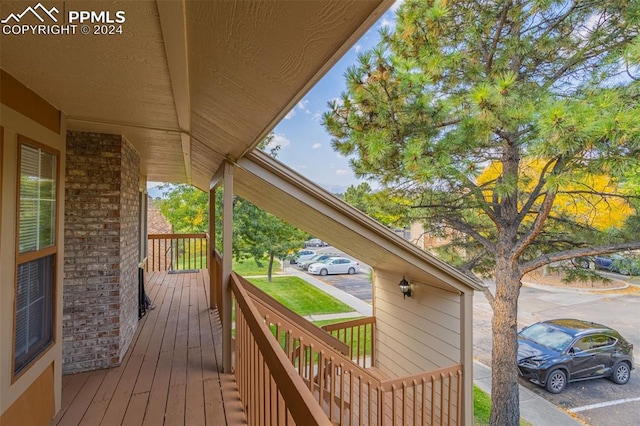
x=405, y=288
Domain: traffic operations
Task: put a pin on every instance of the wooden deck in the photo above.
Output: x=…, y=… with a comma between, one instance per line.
x=170, y=374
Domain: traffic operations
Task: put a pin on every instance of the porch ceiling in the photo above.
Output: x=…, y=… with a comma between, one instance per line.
x=187, y=83
x=281, y=191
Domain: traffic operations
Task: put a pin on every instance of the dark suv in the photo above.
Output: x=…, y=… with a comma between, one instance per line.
x=556, y=352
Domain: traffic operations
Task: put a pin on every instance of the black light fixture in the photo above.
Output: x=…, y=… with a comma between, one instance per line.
x=405, y=288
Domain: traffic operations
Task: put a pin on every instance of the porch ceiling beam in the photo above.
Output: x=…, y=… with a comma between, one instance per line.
x=174, y=34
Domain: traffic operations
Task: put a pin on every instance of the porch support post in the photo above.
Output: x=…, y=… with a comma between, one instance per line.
x=466, y=355
x=211, y=251
x=227, y=255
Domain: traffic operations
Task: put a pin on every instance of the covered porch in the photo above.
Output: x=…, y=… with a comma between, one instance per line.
x=173, y=374
x=170, y=374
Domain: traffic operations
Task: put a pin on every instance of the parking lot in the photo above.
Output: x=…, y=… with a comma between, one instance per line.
x=358, y=284
x=597, y=402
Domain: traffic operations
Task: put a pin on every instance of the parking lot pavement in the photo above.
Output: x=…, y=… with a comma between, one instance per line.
x=358, y=285
x=597, y=402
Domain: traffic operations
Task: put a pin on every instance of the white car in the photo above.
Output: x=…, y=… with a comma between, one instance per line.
x=303, y=255
x=320, y=257
x=335, y=265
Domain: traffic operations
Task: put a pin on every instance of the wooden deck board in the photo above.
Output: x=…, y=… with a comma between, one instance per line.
x=170, y=374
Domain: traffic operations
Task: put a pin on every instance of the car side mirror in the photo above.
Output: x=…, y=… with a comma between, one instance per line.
x=575, y=350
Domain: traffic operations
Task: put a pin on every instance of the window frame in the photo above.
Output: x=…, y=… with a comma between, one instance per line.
x=29, y=256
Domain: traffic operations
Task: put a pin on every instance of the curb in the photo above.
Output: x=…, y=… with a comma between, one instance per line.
x=574, y=289
x=533, y=408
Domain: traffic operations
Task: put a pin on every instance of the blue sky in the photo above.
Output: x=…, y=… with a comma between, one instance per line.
x=305, y=146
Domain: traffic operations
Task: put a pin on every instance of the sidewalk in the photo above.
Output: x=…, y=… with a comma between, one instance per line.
x=533, y=408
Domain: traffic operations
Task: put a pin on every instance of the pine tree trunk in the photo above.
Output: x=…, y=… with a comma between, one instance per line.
x=270, y=270
x=505, y=409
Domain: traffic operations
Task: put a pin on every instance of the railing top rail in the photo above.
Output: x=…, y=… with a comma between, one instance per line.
x=168, y=236
x=389, y=383
x=299, y=399
x=349, y=324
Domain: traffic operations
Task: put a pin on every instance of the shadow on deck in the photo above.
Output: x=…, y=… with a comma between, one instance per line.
x=171, y=372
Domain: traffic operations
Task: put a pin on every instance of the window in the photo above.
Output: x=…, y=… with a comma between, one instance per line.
x=601, y=341
x=35, y=283
x=583, y=344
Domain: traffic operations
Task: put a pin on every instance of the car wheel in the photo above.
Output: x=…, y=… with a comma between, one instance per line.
x=581, y=262
x=556, y=381
x=323, y=272
x=621, y=373
x=352, y=271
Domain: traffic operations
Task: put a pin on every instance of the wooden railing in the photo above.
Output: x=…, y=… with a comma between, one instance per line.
x=359, y=335
x=347, y=393
x=271, y=390
x=168, y=252
x=433, y=398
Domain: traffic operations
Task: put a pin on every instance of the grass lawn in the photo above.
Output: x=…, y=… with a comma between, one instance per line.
x=248, y=267
x=365, y=347
x=482, y=408
x=299, y=296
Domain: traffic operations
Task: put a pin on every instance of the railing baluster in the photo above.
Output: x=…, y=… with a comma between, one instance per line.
x=433, y=400
x=178, y=251
x=339, y=382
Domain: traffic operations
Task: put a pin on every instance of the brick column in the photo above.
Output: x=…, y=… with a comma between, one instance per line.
x=101, y=250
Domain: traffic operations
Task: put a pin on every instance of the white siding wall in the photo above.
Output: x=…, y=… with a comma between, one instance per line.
x=415, y=334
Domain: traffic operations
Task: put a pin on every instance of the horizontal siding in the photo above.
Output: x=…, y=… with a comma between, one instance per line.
x=415, y=334
x=440, y=322
x=446, y=345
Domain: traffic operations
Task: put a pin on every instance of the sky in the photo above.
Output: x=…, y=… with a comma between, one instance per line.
x=305, y=145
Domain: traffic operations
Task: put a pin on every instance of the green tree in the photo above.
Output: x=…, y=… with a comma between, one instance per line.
x=185, y=207
x=458, y=86
x=256, y=233
x=381, y=205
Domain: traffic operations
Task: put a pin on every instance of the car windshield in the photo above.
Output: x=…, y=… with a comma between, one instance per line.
x=547, y=336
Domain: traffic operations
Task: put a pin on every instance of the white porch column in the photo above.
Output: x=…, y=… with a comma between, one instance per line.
x=227, y=255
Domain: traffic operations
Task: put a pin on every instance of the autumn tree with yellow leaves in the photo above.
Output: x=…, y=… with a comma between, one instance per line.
x=542, y=92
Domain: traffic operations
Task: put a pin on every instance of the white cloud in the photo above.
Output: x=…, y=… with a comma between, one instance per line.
x=342, y=172
x=300, y=106
x=386, y=22
x=358, y=47
x=278, y=140
x=340, y=155
x=317, y=116
x=300, y=167
x=316, y=145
